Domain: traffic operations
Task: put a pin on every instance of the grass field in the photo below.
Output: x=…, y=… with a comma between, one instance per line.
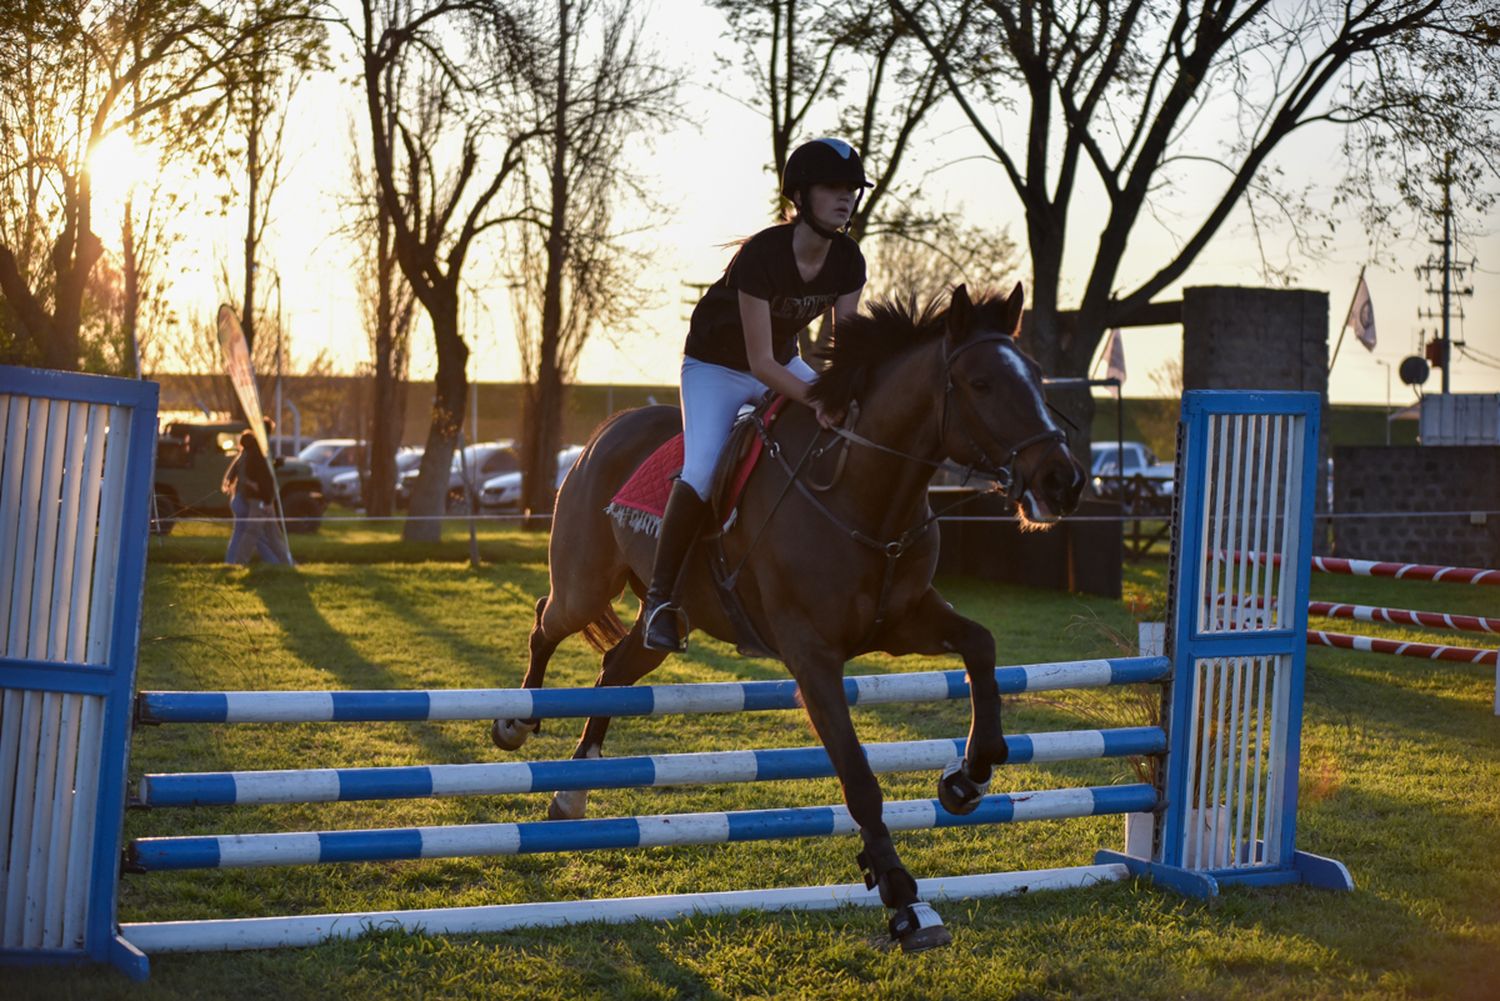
x=1400, y=780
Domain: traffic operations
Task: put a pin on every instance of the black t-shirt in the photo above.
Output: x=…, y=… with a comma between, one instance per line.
x=766, y=268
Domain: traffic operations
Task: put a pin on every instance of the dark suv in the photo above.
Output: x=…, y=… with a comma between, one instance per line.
x=190, y=463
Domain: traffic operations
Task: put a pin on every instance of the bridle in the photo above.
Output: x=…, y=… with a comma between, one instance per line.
x=1008, y=480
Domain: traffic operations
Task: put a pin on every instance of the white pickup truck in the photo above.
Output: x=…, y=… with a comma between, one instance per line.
x=1106, y=468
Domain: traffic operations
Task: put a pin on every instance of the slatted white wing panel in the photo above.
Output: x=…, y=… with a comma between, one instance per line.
x=1251, y=520
x=1248, y=471
x=1251, y=535
x=75, y=472
x=1238, y=722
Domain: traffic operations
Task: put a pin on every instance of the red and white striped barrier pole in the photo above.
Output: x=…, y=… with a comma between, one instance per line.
x=1405, y=617
x=1392, y=616
x=1377, y=568
x=1426, y=651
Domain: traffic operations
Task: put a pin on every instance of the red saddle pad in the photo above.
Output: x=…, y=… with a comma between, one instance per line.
x=642, y=501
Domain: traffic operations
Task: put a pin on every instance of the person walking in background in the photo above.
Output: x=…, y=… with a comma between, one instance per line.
x=252, y=493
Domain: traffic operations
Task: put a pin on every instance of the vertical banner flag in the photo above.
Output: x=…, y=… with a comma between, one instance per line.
x=1114, y=359
x=1361, y=317
x=241, y=372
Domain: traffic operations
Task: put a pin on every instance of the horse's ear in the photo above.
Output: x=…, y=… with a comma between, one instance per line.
x=1015, y=306
x=960, y=314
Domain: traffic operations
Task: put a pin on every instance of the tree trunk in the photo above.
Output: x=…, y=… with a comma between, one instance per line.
x=131, y=309
x=542, y=422
x=1050, y=338
x=252, y=172
x=543, y=426
x=73, y=263
x=450, y=391
x=380, y=486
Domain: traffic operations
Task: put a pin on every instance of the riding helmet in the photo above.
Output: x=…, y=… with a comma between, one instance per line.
x=822, y=161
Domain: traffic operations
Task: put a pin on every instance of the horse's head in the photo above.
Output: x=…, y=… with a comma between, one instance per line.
x=995, y=417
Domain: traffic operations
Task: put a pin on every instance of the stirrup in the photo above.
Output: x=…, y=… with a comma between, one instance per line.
x=666, y=633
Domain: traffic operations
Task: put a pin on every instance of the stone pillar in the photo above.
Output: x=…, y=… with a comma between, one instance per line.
x=1260, y=338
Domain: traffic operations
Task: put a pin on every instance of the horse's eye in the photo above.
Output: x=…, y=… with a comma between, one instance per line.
x=980, y=386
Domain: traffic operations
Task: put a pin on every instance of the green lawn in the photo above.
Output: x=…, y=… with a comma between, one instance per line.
x=1401, y=781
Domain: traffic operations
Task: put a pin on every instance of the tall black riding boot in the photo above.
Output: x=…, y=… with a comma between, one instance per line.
x=665, y=623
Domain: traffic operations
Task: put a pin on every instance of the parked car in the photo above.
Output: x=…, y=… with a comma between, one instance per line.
x=191, y=460
x=480, y=462
x=349, y=488
x=1110, y=462
x=285, y=446
x=330, y=457
x=503, y=492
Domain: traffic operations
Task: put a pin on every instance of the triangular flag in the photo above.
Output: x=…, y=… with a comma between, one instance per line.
x=1361, y=317
x=1114, y=359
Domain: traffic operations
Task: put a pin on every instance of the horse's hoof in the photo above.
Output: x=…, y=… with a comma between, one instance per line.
x=510, y=734
x=570, y=804
x=957, y=792
x=917, y=928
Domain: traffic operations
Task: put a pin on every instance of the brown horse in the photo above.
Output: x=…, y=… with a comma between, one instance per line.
x=836, y=572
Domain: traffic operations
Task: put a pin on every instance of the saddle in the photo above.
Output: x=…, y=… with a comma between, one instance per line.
x=640, y=504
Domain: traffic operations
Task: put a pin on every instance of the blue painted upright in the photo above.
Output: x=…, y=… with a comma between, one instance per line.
x=1247, y=479
x=75, y=488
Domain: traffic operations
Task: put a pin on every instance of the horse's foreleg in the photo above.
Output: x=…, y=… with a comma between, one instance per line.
x=914, y=924
x=627, y=662
x=935, y=628
x=510, y=734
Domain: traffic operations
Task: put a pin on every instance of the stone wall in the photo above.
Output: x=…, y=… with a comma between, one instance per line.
x=1418, y=478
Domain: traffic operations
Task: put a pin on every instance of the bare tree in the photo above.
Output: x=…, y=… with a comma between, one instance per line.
x=260, y=83
x=70, y=75
x=571, y=272
x=1135, y=97
x=442, y=157
x=389, y=306
x=849, y=62
x=925, y=253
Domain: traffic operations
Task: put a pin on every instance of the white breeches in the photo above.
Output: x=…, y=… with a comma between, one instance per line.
x=711, y=397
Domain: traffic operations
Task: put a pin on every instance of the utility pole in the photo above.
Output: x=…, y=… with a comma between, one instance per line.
x=1447, y=267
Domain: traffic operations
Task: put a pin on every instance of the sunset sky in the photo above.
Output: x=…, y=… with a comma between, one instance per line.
x=711, y=179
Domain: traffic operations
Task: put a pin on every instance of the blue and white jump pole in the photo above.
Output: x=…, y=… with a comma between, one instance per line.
x=1224, y=806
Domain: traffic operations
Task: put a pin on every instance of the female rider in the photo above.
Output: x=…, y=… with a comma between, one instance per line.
x=743, y=339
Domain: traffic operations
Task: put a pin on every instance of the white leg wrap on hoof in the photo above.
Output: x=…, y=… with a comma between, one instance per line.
x=962, y=765
x=570, y=804
x=957, y=790
x=917, y=927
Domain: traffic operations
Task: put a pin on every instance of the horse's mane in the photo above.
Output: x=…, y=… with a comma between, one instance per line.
x=889, y=327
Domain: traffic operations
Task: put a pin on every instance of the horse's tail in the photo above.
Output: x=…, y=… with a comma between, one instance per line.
x=605, y=632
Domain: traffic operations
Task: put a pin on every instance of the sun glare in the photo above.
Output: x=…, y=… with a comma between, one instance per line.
x=116, y=167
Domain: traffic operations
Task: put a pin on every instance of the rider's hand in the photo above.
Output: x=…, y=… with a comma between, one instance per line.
x=828, y=417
